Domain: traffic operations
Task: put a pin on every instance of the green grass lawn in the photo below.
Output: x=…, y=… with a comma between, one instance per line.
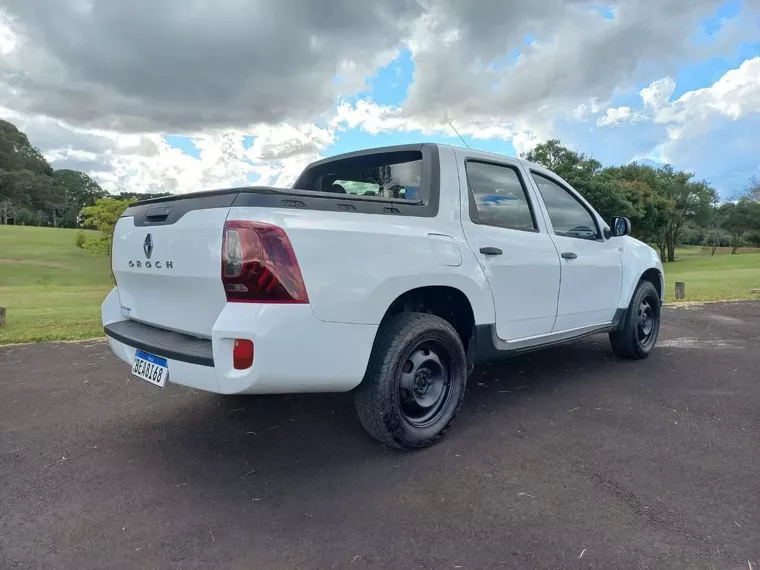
x=52, y=290
x=721, y=277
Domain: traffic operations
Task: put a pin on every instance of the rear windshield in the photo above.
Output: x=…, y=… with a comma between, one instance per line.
x=387, y=175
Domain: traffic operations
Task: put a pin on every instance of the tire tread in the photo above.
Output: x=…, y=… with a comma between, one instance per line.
x=369, y=397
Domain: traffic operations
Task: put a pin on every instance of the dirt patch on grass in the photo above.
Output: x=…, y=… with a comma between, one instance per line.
x=50, y=264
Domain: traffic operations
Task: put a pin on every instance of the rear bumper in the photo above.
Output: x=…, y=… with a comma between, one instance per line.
x=169, y=344
x=293, y=350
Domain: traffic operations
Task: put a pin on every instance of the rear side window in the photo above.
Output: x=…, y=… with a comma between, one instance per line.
x=498, y=197
x=569, y=217
x=396, y=175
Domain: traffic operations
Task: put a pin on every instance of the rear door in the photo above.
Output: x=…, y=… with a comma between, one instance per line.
x=508, y=234
x=591, y=264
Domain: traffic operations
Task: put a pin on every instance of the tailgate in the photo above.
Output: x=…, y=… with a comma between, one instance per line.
x=167, y=263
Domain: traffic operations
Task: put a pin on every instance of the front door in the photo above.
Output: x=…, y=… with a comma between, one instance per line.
x=509, y=237
x=591, y=265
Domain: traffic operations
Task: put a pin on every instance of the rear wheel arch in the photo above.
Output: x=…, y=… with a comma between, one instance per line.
x=449, y=303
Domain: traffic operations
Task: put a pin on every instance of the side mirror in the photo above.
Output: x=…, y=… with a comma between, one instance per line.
x=620, y=226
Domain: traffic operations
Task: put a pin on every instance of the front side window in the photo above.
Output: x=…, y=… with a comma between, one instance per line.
x=499, y=196
x=569, y=217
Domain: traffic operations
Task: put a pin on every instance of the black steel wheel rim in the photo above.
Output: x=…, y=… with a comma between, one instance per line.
x=648, y=322
x=425, y=382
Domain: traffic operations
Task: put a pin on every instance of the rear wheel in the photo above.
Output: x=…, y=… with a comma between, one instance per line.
x=640, y=328
x=415, y=381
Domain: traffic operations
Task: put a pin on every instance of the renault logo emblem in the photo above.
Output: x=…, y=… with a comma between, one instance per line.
x=148, y=246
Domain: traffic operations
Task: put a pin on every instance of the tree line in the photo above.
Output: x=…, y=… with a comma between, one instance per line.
x=33, y=193
x=667, y=207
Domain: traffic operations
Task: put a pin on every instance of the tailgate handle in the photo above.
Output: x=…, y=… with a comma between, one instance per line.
x=157, y=214
x=391, y=210
x=346, y=208
x=293, y=203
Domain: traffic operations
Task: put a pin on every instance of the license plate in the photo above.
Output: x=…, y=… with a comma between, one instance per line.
x=151, y=368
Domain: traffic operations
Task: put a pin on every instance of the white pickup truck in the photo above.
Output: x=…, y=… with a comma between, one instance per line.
x=390, y=272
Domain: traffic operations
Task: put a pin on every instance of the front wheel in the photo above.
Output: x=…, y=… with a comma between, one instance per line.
x=415, y=381
x=640, y=328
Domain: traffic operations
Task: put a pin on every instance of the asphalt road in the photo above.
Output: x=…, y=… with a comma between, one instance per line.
x=568, y=458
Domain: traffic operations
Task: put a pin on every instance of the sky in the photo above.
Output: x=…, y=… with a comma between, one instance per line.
x=184, y=95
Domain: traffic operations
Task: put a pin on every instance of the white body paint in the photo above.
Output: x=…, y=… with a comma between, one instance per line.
x=354, y=266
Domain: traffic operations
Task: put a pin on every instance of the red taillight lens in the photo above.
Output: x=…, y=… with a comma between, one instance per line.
x=242, y=354
x=259, y=265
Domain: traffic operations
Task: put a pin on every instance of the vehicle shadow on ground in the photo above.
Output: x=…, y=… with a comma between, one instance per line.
x=288, y=441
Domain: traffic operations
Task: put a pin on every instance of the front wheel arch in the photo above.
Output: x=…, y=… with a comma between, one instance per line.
x=654, y=276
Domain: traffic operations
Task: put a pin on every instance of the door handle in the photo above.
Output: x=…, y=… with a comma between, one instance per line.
x=490, y=251
x=569, y=255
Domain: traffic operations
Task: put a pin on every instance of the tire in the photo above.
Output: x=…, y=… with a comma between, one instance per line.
x=637, y=335
x=415, y=381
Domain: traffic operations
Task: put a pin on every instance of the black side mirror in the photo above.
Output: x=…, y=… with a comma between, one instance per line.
x=620, y=226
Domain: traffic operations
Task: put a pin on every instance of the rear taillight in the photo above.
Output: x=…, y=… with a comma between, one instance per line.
x=259, y=265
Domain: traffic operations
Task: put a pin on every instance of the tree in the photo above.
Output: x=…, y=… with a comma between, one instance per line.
x=753, y=237
x=103, y=216
x=17, y=153
x=563, y=161
x=716, y=235
x=715, y=238
x=686, y=201
x=73, y=191
x=659, y=201
x=585, y=174
x=30, y=186
x=7, y=209
x=752, y=191
x=140, y=195
x=23, y=187
x=741, y=218
x=693, y=234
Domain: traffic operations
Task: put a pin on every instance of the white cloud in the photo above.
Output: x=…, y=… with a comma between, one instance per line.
x=713, y=130
x=658, y=93
x=147, y=162
x=734, y=95
x=578, y=55
x=143, y=65
x=690, y=117
x=618, y=115
x=374, y=119
x=582, y=111
x=7, y=36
